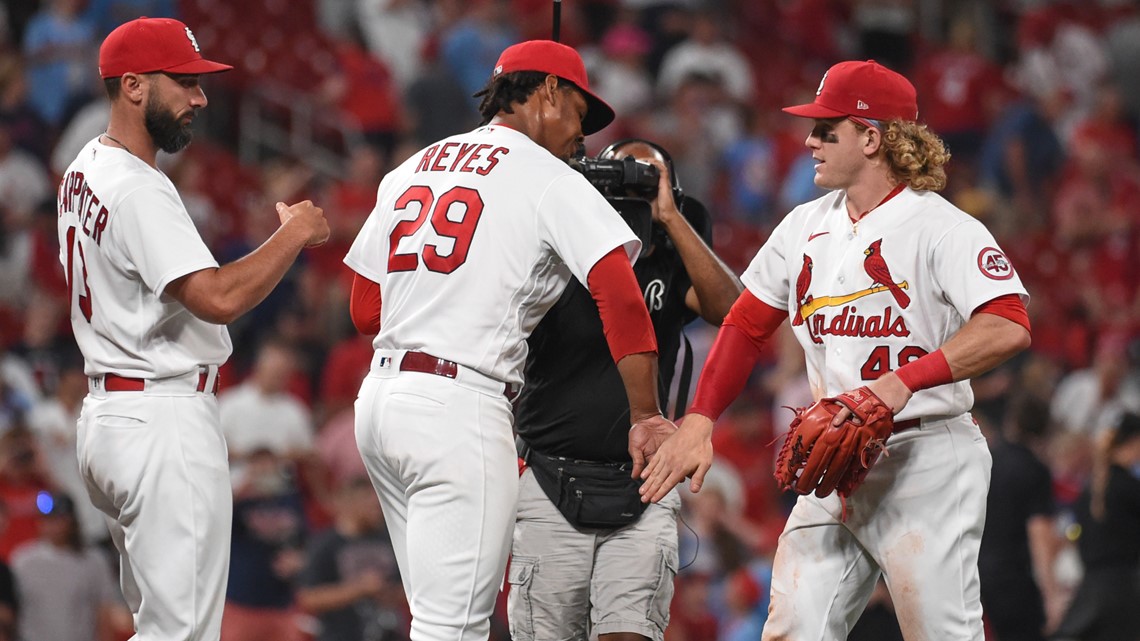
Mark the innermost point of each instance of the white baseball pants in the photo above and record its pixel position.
(441, 455)
(917, 520)
(155, 463)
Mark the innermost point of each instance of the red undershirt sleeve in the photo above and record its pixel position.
(364, 305)
(748, 325)
(1008, 307)
(625, 319)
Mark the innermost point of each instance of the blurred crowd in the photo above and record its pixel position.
(1038, 103)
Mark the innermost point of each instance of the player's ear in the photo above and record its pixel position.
(132, 87)
(550, 88)
(873, 140)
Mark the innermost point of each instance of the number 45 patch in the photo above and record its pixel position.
(994, 264)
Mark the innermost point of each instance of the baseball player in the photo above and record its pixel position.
(897, 290)
(148, 307)
(471, 241)
(612, 579)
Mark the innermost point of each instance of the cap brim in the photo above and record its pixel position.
(813, 110)
(598, 114)
(198, 67)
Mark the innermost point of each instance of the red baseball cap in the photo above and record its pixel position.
(548, 56)
(865, 90)
(146, 45)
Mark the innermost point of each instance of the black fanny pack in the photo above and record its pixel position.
(590, 495)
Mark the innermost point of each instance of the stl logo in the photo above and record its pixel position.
(498, 70)
(994, 264)
(821, 81)
(193, 40)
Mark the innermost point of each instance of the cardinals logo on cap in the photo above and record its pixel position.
(821, 81)
(865, 89)
(193, 40)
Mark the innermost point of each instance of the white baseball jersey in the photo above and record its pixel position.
(153, 461)
(509, 224)
(869, 297)
(866, 298)
(472, 240)
(124, 235)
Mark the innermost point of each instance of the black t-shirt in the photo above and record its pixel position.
(1020, 488)
(574, 403)
(262, 528)
(1115, 541)
(332, 559)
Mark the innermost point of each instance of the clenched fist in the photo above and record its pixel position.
(311, 217)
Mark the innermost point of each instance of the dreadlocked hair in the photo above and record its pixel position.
(914, 153)
(503, 91)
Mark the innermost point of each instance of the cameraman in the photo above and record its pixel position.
(588, 555)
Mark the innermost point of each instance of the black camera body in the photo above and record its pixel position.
(630, 185)
(619, 178)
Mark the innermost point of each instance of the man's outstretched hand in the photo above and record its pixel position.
(688, 452)
(645, 437)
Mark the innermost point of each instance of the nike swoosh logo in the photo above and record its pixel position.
(817, 235)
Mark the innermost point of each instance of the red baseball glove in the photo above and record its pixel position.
(817, 457)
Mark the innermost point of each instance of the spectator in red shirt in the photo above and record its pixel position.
(346, 365)
(1108, 123)
(744, 439)
(960, 90)
(1095, 218)
(690, 618)
(366, 91)
(349, 202)
(22, 478)
(1098, 197)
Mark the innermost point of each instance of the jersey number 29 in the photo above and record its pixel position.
(460, 231)
(85, 295)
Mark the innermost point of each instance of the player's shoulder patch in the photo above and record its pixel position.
(994, 264)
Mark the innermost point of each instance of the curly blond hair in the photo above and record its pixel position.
(915, 154)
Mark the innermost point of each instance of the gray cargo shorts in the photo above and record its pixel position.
(569, 584)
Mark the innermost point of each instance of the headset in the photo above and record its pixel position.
(674, 183)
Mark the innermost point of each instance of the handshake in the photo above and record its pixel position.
(664, 454)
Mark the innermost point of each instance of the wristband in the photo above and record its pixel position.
(928, 371)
